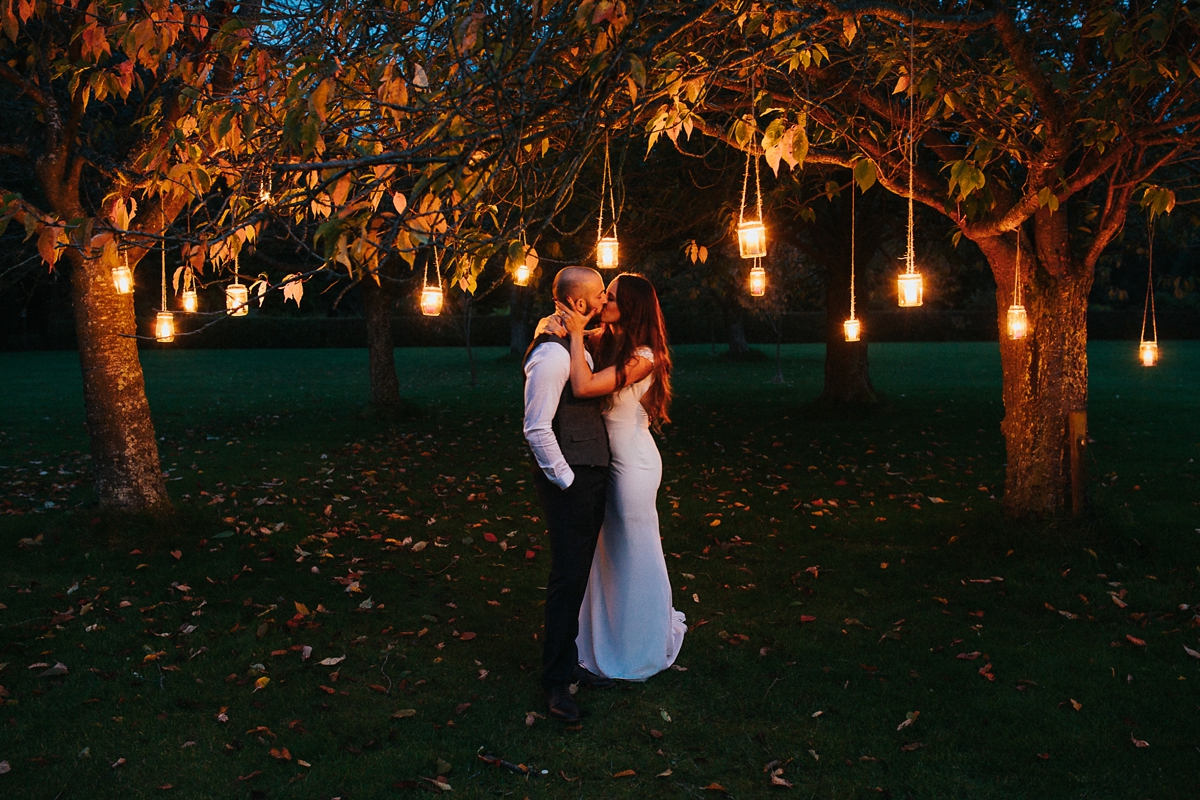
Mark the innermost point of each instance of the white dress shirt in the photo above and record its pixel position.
(547, 371)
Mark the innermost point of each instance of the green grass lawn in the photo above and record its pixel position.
(839, 574)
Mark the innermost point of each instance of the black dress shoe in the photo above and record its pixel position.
(590, 680)
(560, 705)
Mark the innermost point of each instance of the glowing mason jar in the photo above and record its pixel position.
(752, 239)
(910, 289)
(431, 301)
(164, 327)
(237, 300)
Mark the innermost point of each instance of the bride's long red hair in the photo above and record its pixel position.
(641, 325)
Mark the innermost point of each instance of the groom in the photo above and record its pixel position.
(570, 444)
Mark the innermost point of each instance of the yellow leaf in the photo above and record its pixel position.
(302, 609)
(261, 683)
(320, 98)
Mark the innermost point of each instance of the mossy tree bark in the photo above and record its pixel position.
(125, 462)
(1045, 375)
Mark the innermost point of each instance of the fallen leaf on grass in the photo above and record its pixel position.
(1135, 640)
(777, 780)
(1138, 742)
(1075, 704)
(331, 662)
(327, 689)
(252, 775)
(909, 719)
(281, 753)
(668, 772)
(625, 773)
(908, 748)
(404, 713)
(461, 708)
(807, 618)
(121, 761)
(177, 554)
(968, 656)
(261, 683)
(715, 787)
(375, 687)
(467, 636)
(4, 767)
(1191, 652)
(58, 669)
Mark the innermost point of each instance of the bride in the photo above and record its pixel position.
(628, 628)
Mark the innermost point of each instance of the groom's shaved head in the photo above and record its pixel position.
(576, 282)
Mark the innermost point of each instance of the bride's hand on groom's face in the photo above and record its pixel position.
(573, 319)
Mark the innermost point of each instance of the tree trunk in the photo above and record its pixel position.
(467, 336)
(518, 320)
(1045, 375)
(381, 349)
(738, 346)
(847, 374)
(124, 451)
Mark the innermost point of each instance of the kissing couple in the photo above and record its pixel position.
(591, 399)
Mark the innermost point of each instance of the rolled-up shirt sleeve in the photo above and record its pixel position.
(546, 374)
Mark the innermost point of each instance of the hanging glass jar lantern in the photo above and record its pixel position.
(911, 289)
(190, 300)
(521, 274)
(1018, 321)
(607, 248)
(164, 327)
(758, 280)
(122, 276)
(1148, 350)
(264, 188)
(752, 239)
(607, 256)
(237, 300)
(164, 322)
(237, 295)
(432, 299)
(1148, 353)
(525, 269)
(852, 327)
(432, 296)
(752, 234)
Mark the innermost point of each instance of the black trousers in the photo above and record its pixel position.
(573, 517)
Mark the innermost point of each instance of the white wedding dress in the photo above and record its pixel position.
(628, 629)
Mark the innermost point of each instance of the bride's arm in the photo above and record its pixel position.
(584, 382)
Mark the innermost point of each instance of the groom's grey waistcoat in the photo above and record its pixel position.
(578, 423)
